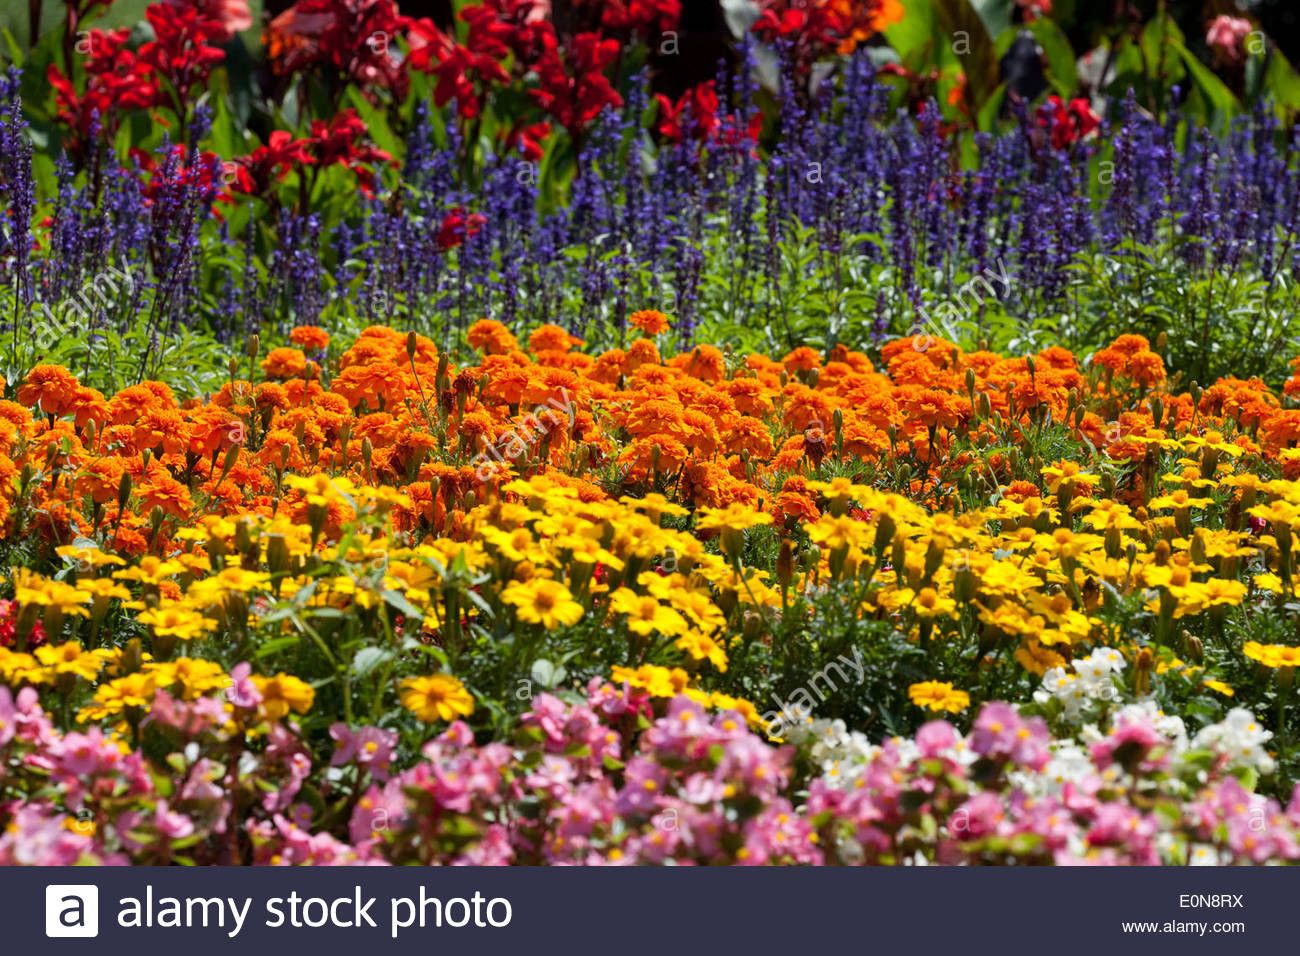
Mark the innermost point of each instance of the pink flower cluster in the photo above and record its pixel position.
(619, 778)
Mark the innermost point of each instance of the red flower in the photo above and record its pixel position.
(116, 80)
(575, 90)
(699, 108)
(521, 27)
(432, 51)
(528, 138)
(820, 27)
(645, 18)
(1067, 123)
(456, 226)
(354, 37)
(176, 176)
(254, 172)
(341, 141)
(180, 53)
(233, 16)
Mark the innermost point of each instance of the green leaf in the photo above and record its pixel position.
(368, 658)
(996, 14)
(398, 600)
(967, 38)
(1058, 53)
(914, 31)
(1220, 102)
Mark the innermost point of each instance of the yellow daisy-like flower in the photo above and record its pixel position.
(701, 647)
(645, 615)
(654, 680)
(939, 695)
(69, 658)
(283, 693)
(1272, 655)
(436, 697)
(177, 621)
(542, 601)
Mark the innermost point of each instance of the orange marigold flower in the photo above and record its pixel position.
(650, 321)
(802, 359)
(310, 337)
(1131, 344)
(1146, 368)
(284, 363)
(641, 352)
(52, 387)
(492, 338)
(552, 338)
(704, 362)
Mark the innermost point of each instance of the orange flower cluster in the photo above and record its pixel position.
(705, 427)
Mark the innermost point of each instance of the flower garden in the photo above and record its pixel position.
(471, 442)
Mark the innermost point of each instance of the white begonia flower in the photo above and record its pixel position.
(1241, 737)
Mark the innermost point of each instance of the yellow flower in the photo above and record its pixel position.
(731, 522)
(645, 615)
(929, 604)
(32, 588)
(151, 570)
(69, 658)
(654, 680)
(543, 601)
(177, 621)
(194, 675)
(87, 555)
(103, 589)
(938, 695)
(701, 647)
(17, 668)
(283, 693)
(133, 690)
(436, 697)
(739, 705)
(1221, 687)
(1272, 655)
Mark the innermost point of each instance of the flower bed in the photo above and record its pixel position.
(532, 606)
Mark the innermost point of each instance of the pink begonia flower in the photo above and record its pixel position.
(370, 747)
(172, 825)
(242, 692)
(8, 713)
(1227, 37)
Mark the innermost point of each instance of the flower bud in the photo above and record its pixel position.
(785, 565)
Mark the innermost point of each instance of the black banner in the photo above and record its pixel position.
(651, 911)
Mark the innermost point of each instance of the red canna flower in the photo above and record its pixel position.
(574, 89)
(354, 37)
(821, 27)
(698, 107)
(528, 138)
(342, 141)
(1067, 123)
(645, 18)
(457, 226)
(255, 172)
(456, 66)
(180, 54)
(232, 16)
(521, 27)
(116, 81)
(180, 172)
